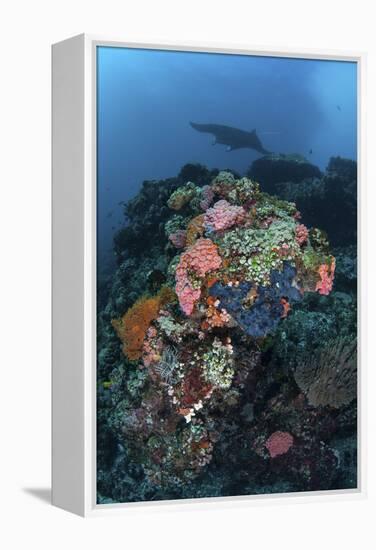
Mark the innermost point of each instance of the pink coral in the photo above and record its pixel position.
(152, 347)
(223, 215)
(301, 234)
(279, 443)
(207, 195)
(326, 272)
(188, 296)
(179, 238)
(198, 260)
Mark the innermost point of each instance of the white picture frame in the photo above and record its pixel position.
(74, 276)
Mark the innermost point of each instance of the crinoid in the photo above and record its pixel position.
(168, 365)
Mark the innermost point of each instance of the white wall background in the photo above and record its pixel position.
(27, 28)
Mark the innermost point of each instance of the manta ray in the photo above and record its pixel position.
(232, 137)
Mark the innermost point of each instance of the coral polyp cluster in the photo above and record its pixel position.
(223, 216)
(198, 260)
(326, 272)
(279, 443)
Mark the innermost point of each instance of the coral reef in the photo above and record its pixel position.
(328, 201)
(227, 339)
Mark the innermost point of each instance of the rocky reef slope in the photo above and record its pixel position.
(227, 336)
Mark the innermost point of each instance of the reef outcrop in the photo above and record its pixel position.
(217, 343)
(276, 168)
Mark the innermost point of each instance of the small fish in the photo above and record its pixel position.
(109, 215)
(310, 151)
(339, 108)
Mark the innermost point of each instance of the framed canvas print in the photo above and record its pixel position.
(206, 304)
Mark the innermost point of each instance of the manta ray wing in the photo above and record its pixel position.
(234, 138)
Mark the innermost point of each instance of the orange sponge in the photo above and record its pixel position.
(132, 327)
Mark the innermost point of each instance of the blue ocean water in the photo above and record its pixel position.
(146, 99)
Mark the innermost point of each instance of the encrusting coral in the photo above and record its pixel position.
(259, 309)
(198, 260)
(279, 443)
(182, 196)
(301, 233)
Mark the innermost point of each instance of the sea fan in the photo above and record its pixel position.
(329, 376)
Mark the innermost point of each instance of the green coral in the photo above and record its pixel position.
(218, 365)
(174, 224)
(269, 205)
(183, 455)
(224, 178)
(244, 190)
(255, 252)
(311, 259)
(171, 269)
(170, 326)
(182, 196)
(136, 382)
(319, 240)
